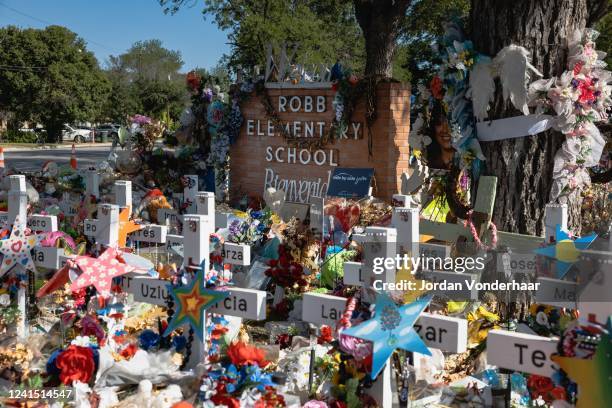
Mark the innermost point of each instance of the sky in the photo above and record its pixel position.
(110, 27)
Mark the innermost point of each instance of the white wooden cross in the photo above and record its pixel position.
(17, 209)
(200, 202)
(521, 352)
(241, 303)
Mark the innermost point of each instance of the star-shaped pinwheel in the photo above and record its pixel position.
(391, 328)
(192, 301)
(99, 271)
(126, 226)
(17, 249)
(565, 250)
(593, 376)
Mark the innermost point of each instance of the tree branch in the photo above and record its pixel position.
(597, 9)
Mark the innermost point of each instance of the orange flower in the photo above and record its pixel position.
(241, 353)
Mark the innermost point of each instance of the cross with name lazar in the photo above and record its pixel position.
(45, 257)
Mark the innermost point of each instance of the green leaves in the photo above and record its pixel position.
(48, 76)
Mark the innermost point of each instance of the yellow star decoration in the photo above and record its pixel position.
(126, 226)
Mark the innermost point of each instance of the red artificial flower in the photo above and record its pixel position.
(558, 393)
(282, 308)
(223, 398)
(436, 87)
(326, 335)
(539, 386)
(76, 363)
(337, 404)
(218, 331)
(578, 67)
(587, 93)
(335, 86)
(194, 80)
(241, 354)
(129, 351)
(284, 340)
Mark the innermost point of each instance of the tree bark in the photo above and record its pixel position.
(380, 21)
(524, 165)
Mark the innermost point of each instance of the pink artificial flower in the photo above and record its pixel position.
(314, 404)
(356, 347)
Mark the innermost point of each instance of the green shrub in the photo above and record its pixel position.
(16, 136)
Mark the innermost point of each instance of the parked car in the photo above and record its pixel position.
(108, 130)
(76, 134)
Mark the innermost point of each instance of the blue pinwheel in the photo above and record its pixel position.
(391, 328)
(565, 251)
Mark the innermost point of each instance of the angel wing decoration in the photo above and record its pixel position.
(482, 89)
(513, 66)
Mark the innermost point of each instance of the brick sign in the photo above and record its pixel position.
(261, 157)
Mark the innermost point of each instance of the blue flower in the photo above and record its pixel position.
(51, 368)
(148, 339)
(179, 342)
(256, 214)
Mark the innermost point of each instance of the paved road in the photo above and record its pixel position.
(33, 159)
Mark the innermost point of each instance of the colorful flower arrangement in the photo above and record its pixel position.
(240, 380)
(579, 98)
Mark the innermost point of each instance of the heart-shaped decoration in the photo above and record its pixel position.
(16, 246)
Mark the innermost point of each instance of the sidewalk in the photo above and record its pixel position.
(15, 147)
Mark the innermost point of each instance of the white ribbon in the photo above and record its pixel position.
(511, 128)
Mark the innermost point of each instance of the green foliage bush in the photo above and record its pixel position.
(16, 136)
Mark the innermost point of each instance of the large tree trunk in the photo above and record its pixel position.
(524, 166)
(380, 21)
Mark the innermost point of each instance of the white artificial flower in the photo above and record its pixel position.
(5, 299)
(542, 319)
(82, 341)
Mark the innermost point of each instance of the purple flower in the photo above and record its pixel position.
(207, 95)
(141, 120)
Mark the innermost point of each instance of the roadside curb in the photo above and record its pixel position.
(55, 147)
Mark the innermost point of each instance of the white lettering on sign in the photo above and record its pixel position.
(291, 155)
(302, 103)
(298, 191)
(521, 352)
(320, 309)
(150, 233)
(47, 257)
(516, 263)
(352, 273)
(44, 223)
(145, 289)
(245, 303)
(434, 251)
(443, 332)
(464, 293)
(236, 254)
(90, 227)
